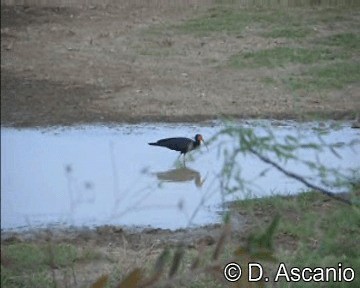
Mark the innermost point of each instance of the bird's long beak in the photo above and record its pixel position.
(205, 144)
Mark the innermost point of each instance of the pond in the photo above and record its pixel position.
(100, 175)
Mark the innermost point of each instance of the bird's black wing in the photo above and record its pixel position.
(178, 143)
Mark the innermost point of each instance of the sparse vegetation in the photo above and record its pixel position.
(289, 25)
(292, 32)
(331, 76)
(343, 40)
(313, 231)
(281, 56)
(223, 20)
(29, 265)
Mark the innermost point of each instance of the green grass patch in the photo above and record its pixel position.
(231, 21)
(30, 280)
(331, 76)
(331, 15)
(291, 32)
(314, 231)
(280, 56)
(36, 258)
(28, 265)
(343, 40)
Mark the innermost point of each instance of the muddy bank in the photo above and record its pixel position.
(116, 251)
(134, 238)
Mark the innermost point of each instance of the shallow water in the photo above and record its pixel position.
(95, 175)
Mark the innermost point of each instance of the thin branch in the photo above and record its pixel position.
(299, 178)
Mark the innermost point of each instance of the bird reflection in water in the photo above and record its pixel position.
(182, 174)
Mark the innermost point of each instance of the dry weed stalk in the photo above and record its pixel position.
(258, 247)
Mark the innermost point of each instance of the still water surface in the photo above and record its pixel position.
(96, 175)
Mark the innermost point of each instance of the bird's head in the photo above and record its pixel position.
(199, 138)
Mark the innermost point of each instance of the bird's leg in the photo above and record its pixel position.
(184, 160)
(180, 156)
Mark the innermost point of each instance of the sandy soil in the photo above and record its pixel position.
(61, 66)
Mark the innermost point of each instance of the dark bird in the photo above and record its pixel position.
(181, 144)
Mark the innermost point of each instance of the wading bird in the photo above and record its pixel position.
(181, 144)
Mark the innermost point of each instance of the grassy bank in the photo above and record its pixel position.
(313, 231)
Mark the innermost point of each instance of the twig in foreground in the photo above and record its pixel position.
(299, 178)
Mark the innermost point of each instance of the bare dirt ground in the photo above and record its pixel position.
(62, 66)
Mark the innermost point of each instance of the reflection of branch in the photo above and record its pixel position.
(203, 199)
(114, 170)
(299, 178)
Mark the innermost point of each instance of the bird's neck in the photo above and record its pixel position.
(196, 144)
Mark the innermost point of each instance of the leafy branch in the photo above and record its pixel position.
(281, 151)
(300, 178)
